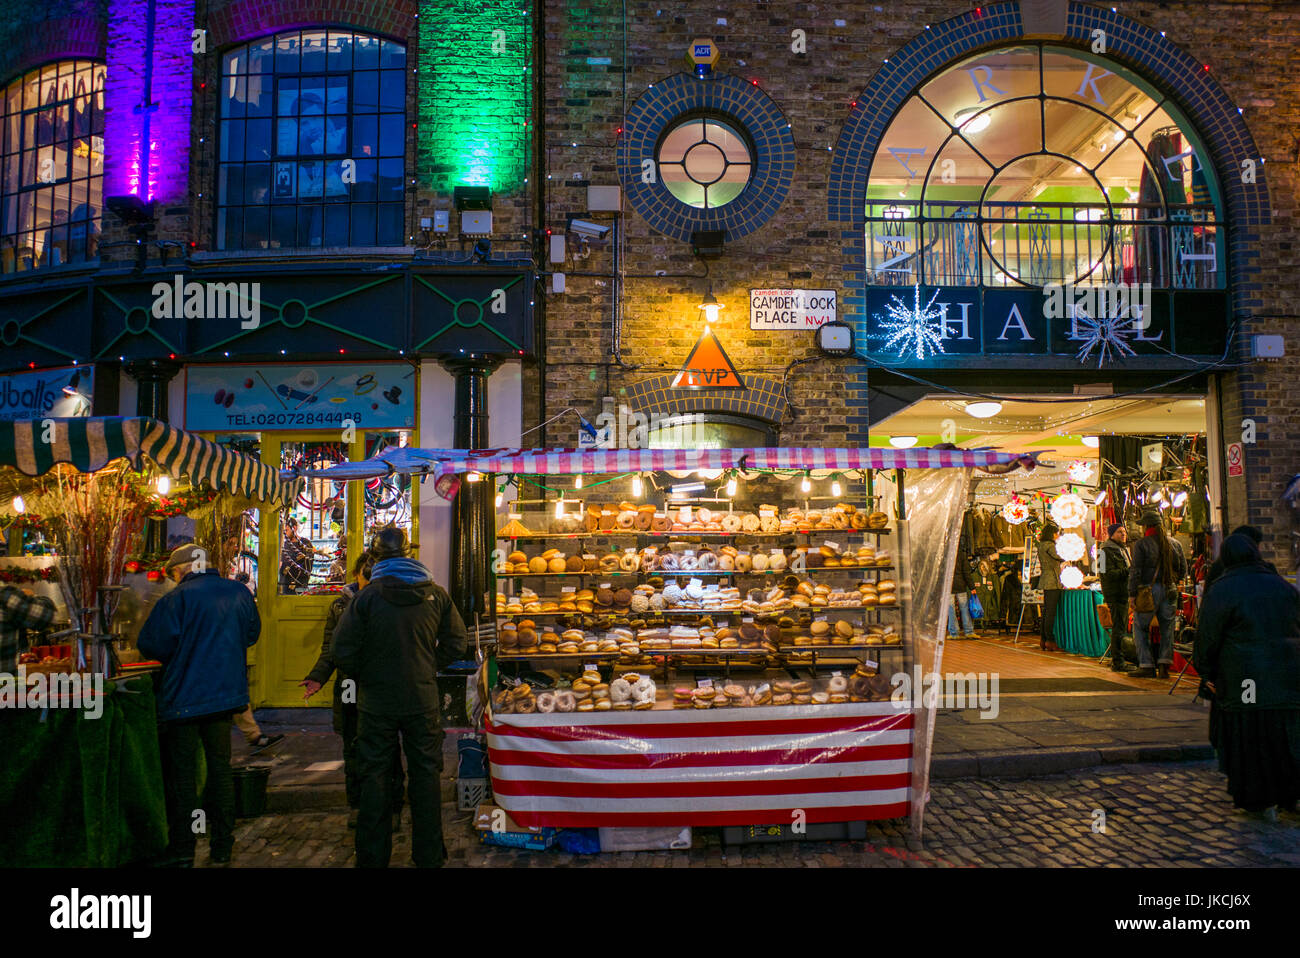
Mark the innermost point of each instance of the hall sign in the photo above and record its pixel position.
(790, 309)
(1012, 323)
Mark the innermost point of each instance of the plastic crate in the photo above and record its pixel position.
(471, 793)
(813, 832)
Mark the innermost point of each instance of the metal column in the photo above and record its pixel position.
(473, 526)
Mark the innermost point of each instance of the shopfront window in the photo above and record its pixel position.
(388, 500)
(313, 142)
(313, 531)
(709, 431)
(1036, 165)
(52, 166)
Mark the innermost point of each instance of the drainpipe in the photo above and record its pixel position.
(473, 525)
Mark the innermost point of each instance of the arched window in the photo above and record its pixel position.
(710, 431)
(1035, 165)
(312, 142)
(52, 166)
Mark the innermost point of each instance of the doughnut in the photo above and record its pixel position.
(537, 565)
(704, 514)
(759, 562)
(626, 506)
(620, 690)
(643, 521)
(629, 561)
(726, 563)
(640, 602)
(556, 565)
(689, 563)
(838, 685)
(623, 597)
(708, 562)
(525, 706)
(777, 562)
(609, 563)
(860, 686)
(661, 524)
(749, 522)
(573, 564)
(820, 698)
(744, 562)
(625, 520)
(770, 524)
(546, 702)
(644, 686)
(669, 562)
(586, 706)
(731, 522)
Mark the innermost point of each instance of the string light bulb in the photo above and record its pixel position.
(164, 485)
(731, 486)
(806, 485)
(1101, 498)
(636, 487)
(19, 505)
(559, 508)
(577, 481)
(473, 477)
(501, 497)
(835, 487)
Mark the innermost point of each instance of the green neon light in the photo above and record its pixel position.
(475, 84)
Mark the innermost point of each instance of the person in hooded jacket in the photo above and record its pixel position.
(345, 708)
(1248, 649)
(1114, 570)
(393, 638)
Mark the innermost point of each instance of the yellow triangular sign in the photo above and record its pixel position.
(707, 367)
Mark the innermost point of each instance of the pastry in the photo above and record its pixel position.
(661, 524)
(629, 561)
(565, 701)
(731, 523)
(558, 564)
(609, 563)
(546, 702)
(750, 522)
(625, 520)
(574, 564)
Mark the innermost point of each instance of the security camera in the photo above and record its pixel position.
(589, 229)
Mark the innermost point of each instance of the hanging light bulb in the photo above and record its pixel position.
(164, 484)
(636, 487)
(1101, 498)
(731, 486)
(473, 477)
(19, 506)
(577, 481)
(835, 487)
(559, 508)
(806, 485)
(710, 307)
(500, 498)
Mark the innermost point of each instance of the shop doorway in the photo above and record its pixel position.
(299, 559)
(1121, 457)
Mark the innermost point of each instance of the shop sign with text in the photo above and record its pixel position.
(790, 310)
(59, 393)
(296, 396)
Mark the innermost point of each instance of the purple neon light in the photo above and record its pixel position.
(160, 57)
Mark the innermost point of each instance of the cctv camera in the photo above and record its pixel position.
(589, 229)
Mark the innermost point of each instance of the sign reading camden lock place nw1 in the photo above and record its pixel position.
(1049, 323)
(791, 309)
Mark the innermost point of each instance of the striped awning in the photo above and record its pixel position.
(440, 462)
(34, 446)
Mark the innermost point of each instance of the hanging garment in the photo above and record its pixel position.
(1001, 531)
(982, 526)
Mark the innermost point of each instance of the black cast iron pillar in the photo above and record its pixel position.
(473, 527)
(151, 377)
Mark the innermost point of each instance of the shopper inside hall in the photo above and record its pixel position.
(345, 700)
(1158, 568)
(393, 637)
(1114, 564)
(1248, 650)
(1050, 584)
(963, 584)
(200, 631)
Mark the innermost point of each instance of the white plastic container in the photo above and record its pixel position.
(644, 839)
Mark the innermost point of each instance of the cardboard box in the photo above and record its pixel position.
(507, 832)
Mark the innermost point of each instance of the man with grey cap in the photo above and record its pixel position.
(200, 631)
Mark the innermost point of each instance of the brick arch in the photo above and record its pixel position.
(31, 45)
(1134, 45)
(240, 20)
(762, 398)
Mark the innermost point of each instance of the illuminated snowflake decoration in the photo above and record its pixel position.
(913, 328)
(1107, 335)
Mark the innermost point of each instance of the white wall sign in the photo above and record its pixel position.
(790, 309)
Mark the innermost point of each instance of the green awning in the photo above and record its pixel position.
(34, 446)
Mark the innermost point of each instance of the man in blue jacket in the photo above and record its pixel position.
(200, 632)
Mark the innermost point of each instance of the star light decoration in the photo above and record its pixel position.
(913, 327)
(1107, 335)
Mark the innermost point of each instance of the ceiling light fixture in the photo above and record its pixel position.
(983, 410)
(902, 442)
(1092, 442)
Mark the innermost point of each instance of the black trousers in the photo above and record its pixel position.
(352, 762)
(1118, 605)
(1050, 599)
(180, 743)
(378, 739)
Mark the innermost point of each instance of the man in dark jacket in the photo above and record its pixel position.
(1113, 564)
(200, 631)
(1158, 562)
(297, 555)
(963, 584)
(1248, 647)
(393, 638)
(1216, 567)
(345, 696)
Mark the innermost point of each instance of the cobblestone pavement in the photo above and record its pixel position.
(1154, 815)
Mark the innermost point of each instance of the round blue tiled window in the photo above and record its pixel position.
(716, 152)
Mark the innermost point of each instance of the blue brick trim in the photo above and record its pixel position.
(730, 97)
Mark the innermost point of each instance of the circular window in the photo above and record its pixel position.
(705, 162)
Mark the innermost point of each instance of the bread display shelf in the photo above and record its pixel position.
(699, 613)
(796, 649)
(635, 534)
(693, 573)
(651, 653)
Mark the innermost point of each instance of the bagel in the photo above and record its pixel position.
(610, 562)
(661, 524)
(629, 561)
(750, 522)
(643, 521)
(546, 702)
(731, 523)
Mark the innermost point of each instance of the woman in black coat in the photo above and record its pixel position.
(1248, 648)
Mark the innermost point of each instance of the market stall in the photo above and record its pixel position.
(82, 782)
(714, 636)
